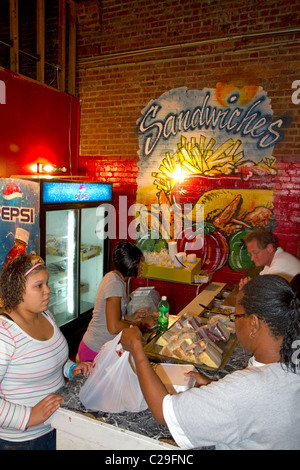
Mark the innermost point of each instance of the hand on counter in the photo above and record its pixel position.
(142, 319)
(83, 367)
(148, 322)
(145, 323)
(138, 315)
(44, 409)
(200, 378)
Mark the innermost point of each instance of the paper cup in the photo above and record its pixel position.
(178, 260)
(172, 249)
(191, 258)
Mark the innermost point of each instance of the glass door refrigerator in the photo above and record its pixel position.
(74, 246)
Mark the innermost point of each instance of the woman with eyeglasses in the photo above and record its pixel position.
(254, 408)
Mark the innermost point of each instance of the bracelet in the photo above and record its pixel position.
(70, 375)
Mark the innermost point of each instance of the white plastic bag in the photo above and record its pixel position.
(112, 385)
(143, 297)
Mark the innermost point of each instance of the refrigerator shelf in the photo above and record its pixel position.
(89, 251)
(58, 280)
(56, 258)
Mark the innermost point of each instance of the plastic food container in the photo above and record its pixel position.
(172, 376)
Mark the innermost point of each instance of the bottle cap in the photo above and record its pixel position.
(22, 235)
(164, 297)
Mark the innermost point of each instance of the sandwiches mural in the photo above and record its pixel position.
(206, 172)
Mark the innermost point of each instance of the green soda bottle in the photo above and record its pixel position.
(163, 317)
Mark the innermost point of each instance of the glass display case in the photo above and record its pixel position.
(64, 221)
(92, 258)
(76, 256)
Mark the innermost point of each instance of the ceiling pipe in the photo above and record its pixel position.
(121, 55)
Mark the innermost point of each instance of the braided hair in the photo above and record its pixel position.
(272, 299)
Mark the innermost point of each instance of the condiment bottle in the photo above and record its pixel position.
(21, 242)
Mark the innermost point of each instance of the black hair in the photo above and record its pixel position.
(126, 258)
(295, 283)
(272, 299)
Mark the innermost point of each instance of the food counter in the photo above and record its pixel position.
(201, 334)
(78, 428)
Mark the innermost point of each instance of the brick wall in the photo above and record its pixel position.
(130, 52)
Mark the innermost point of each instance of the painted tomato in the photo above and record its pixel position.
(211, 246)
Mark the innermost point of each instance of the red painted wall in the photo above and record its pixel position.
(286, 186)
(114, 85)
(36, 123)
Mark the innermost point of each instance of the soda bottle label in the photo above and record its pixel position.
(163, 314)
(16, 250)
(21, 242)
(163, 318)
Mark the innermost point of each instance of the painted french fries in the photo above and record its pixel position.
(203, 159)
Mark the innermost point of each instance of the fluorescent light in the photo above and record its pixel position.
(70, 260)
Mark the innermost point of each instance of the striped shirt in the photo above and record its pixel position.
(30, 370)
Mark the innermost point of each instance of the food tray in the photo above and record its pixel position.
(184, 275)
(152, 351)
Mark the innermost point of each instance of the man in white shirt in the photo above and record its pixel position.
(264, 251)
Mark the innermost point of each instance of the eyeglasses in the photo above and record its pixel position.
(254, 253)
(234, 316)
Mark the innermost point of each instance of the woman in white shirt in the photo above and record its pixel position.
(255, 408)
(109, 314)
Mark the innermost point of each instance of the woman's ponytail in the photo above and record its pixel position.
(291, 338)
(272, 299)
